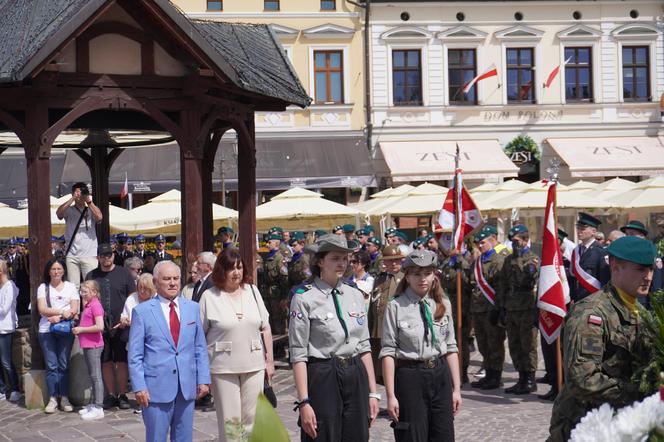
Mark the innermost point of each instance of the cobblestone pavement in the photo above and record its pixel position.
(485, 416)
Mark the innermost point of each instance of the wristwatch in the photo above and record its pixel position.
(376, 396)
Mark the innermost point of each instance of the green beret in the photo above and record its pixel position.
(225, 230)
(298, 235)
(515, 230)
(633, 249)
(375, 241)
(362, 232)
(320, 232)
(588, 220)
(483, 234)
(271, 236)
(369, 228)
(348, 228)
(635, 225)
(562, 235)
(391, 231)
(420, 241)
(337, 228)
(401, 235)
(275, 229)
(491, 230)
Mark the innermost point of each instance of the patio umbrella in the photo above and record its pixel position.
(608, 190)
(425, 199)
(13, 222)
(648, 193)
(534, 197)
(485, 200)
(302, 209)
(581, 185)
(383, 198)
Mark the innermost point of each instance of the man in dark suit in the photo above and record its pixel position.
(139, 243)
(205, 262)
(122, 251)
(589, 264)
(18, 271)
(160, 253)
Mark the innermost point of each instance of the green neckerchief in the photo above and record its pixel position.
(340, 315)
(428, 321)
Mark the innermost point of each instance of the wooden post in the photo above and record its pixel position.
(39, 216)
(211, 144)
(559, 366)
(247, 191)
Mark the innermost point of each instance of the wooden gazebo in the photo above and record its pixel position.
(104, 65)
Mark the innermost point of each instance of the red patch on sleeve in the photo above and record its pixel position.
(596, 320)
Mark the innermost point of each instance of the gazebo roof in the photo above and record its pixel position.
(248, 55)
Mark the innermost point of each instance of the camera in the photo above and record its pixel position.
(85, 191)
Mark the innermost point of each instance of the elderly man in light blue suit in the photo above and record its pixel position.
(168, 360)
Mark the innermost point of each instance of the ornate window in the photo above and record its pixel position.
(636, 73)
(407, 77)
(328, 77)
(578, 74)
(520, 75)
(462, 68)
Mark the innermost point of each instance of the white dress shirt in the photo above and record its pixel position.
(166, 308)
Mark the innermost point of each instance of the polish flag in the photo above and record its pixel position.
(469, 215)
(552, 288)
(125, 189)
(554, 73)
(490, 72)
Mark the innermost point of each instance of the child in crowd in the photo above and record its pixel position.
(89, 334)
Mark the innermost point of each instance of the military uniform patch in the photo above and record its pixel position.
(591, 345)
(595, 320)
(359, 317)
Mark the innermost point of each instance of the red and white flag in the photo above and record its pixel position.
(490, 72)
(554, 73)
(552, 289)
(469, 215)
(125, 189)
(588, 281)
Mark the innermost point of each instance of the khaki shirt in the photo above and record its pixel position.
(315, 331)
(404, 327)
(385, 286)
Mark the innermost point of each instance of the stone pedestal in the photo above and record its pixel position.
(80, 388)
(36, 393)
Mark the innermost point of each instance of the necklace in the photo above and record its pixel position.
(239, 315)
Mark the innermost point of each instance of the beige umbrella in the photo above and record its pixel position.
(382, 199)
(485, 200)
(13, 222)
(425, 199)
(581, 185)
(534, 197)
(162, 214)
(302, 209)
(609, 189)
(648, 193)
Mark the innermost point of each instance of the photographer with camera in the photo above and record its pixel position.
(81, 217)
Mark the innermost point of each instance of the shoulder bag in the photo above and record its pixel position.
(63, 327)
(268, 391)
(73, 235)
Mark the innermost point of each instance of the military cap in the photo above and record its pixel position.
(369, 228)
(420, 241)
(61, 239)
(298, 236)
(337, 228)
(104, 249)
(331, 243)
(129, 240)
(320, 232)
(11, 242)
(122, 238)
(362, 232)
(375, 241)
(491, 230)
(225, 230)
(392, 251)
(515, 230)
(391, 231)
(588, 220)
(483, 234)
(273, 236)
(54, 238)
(276, 229)
(635, 225)
(160, 238)
(293, 241)
(562, 234)
(139, 238)
(113, 240)
(633, 249)
(420, 258)
(22, 240)
(401, 235)
(348, 228)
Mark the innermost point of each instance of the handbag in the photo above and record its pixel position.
(268, 391)
(62, 328)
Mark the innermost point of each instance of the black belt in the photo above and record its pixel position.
(425, 364)
(340, 361)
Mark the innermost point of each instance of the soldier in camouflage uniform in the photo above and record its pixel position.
(518, 300)
(490, 336)
(605, 339)
(298, 266)
(274, 285)
(450, 263)
(373, 247)
(384, 288)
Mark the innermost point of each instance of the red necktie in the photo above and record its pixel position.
(175, 324)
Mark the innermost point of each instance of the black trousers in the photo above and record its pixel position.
(549, 355)
(425, 403)
(339, 395)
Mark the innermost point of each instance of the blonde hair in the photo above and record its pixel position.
(146, 280)
(3, 267)
(91, 285)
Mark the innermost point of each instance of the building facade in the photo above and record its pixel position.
(583, 79)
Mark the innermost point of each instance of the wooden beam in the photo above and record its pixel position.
(211, 145)
(247, 192)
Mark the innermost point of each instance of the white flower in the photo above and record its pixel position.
(633, 423)
(595, 426)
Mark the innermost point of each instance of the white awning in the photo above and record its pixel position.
(434, 160)
(618, 156)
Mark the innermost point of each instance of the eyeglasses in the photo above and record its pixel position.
(137, 270)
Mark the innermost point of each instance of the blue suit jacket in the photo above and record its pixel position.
(155, 364)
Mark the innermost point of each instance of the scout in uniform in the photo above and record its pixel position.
(330, 351)
(338, 230)
(319, 233)
(451, 263)
(635, 228)
(589, 268)
(274, 284)
(362, 237)
(385, 286)
(518, 300)
(419, 355)
(373, 247)
(490, 336)
(604, 339)
(349, 231)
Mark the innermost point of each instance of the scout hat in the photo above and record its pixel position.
(375, 241)
(420, 258)
(319, 233)
(562, 234)
(392, 252)
(635, 225)
(331, 243)
(633, 249)
(491, 230)
(515, 230)
(588, 220)
(348, 228)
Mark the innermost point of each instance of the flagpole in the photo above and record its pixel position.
(457, 220)
(559, 356)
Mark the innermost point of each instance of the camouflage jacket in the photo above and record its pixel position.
(492, 271)
(298, 269)
(274, 277)
(448, 268)
(519, 278)
(376, 266)
(385, 286)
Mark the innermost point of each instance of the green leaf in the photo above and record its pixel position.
(267, 425)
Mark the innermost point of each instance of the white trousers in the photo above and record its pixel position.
(78, 267)
(235, 397)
